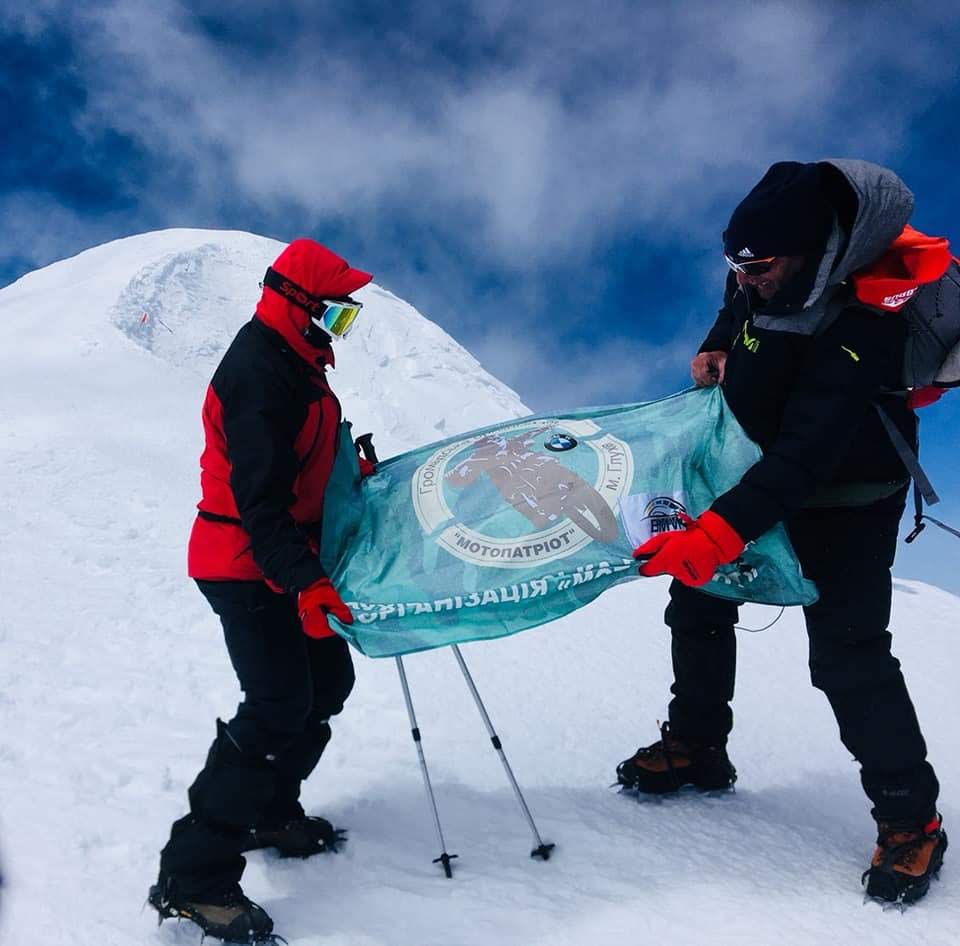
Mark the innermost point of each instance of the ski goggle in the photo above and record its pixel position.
(338, 316)
(754, 267)
(335, 316)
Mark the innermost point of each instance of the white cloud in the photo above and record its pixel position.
(600, 118)
(554, 373)
(37, 227)
(572, 124)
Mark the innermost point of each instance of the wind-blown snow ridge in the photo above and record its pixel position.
(114, 669)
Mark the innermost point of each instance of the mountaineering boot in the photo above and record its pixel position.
(669, 764)
(229, 916)
(908, 854)
(301, 836)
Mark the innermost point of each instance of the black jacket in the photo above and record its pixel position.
(809, 402)
(806, 372)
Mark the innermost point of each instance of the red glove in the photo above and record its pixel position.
(315, 603)
(691, 556)
(367, 468)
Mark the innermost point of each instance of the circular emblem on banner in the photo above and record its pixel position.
(497, 500)
(558, 443)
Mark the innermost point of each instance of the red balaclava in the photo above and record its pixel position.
(306, 265)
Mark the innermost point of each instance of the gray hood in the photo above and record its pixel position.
(883, 208)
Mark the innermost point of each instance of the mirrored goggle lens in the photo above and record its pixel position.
(339, 317)
(754, 267)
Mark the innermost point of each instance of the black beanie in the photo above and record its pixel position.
(786, 214)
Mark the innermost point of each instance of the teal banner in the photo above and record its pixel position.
(505, 528)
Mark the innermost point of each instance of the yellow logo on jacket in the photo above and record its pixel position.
(750, 342)
(851, 353)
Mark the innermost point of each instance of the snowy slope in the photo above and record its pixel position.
(113, 672)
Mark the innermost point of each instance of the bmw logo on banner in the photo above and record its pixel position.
(528, 493)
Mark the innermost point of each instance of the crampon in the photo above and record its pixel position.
(230, 917)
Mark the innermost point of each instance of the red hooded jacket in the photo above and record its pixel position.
(271, 426)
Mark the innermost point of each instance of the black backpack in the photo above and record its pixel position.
(931, 364)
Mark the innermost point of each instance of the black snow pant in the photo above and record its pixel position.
(848, 552)
(292, 685)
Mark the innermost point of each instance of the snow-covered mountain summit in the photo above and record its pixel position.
(113, 670)
(180, 295)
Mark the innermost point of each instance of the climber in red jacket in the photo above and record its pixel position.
(271, 425)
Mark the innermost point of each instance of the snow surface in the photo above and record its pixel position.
(114, 670)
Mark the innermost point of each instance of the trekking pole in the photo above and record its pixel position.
(541, 850)
(444, 857)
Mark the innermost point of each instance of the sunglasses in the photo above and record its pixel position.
(338, 316)
(754, 267)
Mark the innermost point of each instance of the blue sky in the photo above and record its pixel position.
(547, 181)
